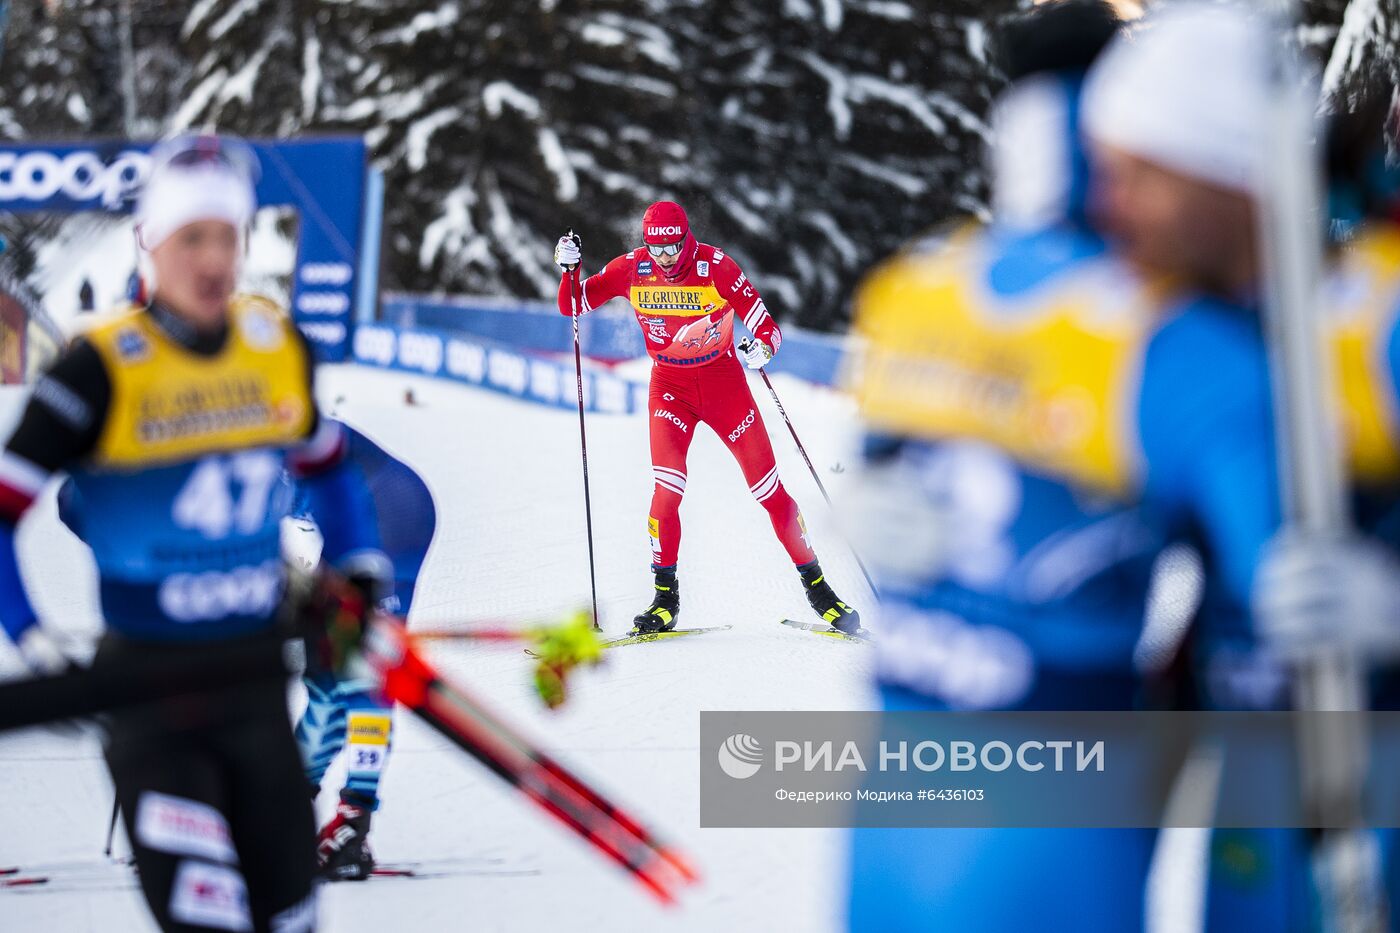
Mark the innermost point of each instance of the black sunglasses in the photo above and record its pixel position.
(214, 150)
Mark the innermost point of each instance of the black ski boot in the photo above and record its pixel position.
(342, 846)
(824, 602)
(665, 608)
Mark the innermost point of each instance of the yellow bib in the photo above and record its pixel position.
(1362, 301)
(1050, 378)
(170, 405)
(676, 300)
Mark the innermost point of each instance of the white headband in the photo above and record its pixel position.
(175, 196)
(1188, 91)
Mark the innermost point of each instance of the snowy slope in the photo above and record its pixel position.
(510, 546)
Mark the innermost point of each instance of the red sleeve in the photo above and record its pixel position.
(321, 452)
(597, 290)
(744, 298)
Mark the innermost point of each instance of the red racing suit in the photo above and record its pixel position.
(688, 323)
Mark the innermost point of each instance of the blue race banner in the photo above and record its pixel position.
(496, 367)
(609, 334)
(322, 179)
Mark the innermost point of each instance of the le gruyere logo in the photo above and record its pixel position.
(669, 299)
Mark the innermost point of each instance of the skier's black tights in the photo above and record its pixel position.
(214, 801)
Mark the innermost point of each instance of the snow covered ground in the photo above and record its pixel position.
(510, 545)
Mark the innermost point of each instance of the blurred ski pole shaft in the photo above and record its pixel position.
(1332, 754)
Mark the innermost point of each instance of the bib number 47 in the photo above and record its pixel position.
(227, 494)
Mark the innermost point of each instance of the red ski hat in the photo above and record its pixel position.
(665, 222)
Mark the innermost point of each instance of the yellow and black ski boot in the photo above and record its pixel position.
(824, 602)
(665, 608)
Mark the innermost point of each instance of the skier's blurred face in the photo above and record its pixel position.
(196, 270)
(1169, 224)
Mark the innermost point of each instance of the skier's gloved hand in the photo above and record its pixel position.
(568, 252)
(1313, 592)
(756, 353)
(372, 573)
(41, 654)
(336, 612)
(908, 535)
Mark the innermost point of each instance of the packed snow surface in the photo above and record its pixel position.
(510, 546)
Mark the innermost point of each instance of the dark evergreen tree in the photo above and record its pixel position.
(810, 138)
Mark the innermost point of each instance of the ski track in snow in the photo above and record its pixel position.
(510, 545)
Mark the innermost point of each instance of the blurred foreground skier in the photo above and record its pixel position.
(175, 421)
(1042, 425)
(340, 707)
(1314, 591)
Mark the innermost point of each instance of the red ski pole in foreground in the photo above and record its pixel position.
(408, 679)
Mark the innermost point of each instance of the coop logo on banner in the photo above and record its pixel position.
(422, 352)
(375, 345)
(80, 177)
(326, 273)
(466, 360)
(323, 302)
(326, 333)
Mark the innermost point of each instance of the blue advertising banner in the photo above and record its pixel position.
(609, 334)
(496, 367)
(323, 179)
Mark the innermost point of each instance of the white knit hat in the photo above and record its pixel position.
(192, 179)
(1189, 91)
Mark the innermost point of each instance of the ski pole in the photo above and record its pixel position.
(112, 827)
(575, 294)
(813, 470)
(1332, 755)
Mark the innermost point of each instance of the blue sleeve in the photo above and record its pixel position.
(340, 502)
(1206, 427)
(69, 511)
(16, 613)
(407, 517)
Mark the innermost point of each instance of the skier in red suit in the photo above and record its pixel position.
(685, 295)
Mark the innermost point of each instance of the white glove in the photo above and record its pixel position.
(756, 353)
(1312, 593)
(41, 653)
(567, 252)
